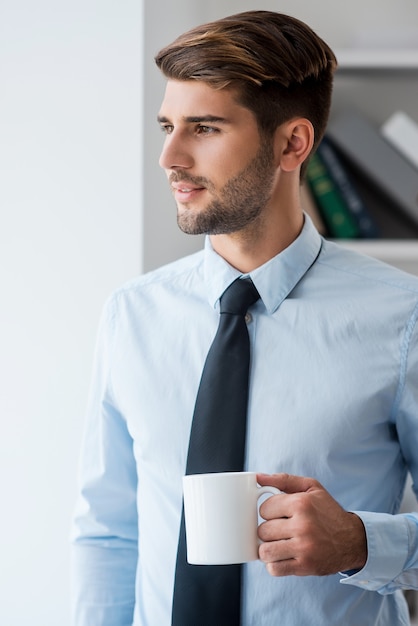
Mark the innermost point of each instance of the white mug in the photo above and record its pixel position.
(221, 516)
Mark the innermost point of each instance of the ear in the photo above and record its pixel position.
(294, 141)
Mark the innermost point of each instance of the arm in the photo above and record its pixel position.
(307, 533)
(105, 525)
(393, 539)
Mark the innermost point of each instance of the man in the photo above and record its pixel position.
(333, 389)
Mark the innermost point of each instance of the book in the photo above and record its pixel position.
(402, 132)
(346, 187)
(367, 149)
(338, 219)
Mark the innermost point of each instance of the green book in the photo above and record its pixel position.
(335, 213)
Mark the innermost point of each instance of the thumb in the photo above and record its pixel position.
(287, 482)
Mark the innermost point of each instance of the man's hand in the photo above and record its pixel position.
(306, 532)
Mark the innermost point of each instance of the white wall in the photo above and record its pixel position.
(70, 231)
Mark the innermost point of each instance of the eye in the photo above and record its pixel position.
(202, 129)
(167, 129)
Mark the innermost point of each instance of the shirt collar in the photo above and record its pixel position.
(275, 279)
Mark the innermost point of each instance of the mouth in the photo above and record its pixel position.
(185, 192)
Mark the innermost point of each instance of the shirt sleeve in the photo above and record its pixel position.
(392, 562)
(104, 534)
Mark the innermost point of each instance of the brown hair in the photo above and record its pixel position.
(279, 66)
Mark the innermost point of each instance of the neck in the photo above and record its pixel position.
(259, 242)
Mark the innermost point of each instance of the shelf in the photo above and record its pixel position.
(386, 249)
(353, 59)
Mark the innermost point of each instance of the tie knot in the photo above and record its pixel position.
(239, 296)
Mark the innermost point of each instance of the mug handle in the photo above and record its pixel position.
(267, 489)
(261, 491)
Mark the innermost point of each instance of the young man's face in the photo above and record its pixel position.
(220, 172)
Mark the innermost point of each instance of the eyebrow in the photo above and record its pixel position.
(196, 119)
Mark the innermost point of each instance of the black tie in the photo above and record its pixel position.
(210, 595)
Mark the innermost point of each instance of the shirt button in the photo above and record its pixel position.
(248, 318)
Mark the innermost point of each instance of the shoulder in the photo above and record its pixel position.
(180, 277)
(356, 268)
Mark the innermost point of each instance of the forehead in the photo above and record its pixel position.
(191, 98)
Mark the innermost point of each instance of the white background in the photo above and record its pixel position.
(70, 211)
(83, 207)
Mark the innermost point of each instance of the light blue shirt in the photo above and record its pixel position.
(333, 395)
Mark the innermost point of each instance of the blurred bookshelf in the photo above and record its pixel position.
(376, 83)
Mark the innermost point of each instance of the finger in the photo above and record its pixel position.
(276, 507)
(283, 568)
(274, 530)
(272, 551)
(288, 483)
(291, 567)
(280, 559)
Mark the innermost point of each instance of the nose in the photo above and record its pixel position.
(174, 154)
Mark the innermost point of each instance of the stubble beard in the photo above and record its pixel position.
(240, 202)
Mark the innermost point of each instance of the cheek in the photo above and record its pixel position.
(220, 166)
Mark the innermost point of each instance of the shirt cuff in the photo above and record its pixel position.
(387, 551)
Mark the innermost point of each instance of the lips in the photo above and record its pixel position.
(185, 192)
(185, 187)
